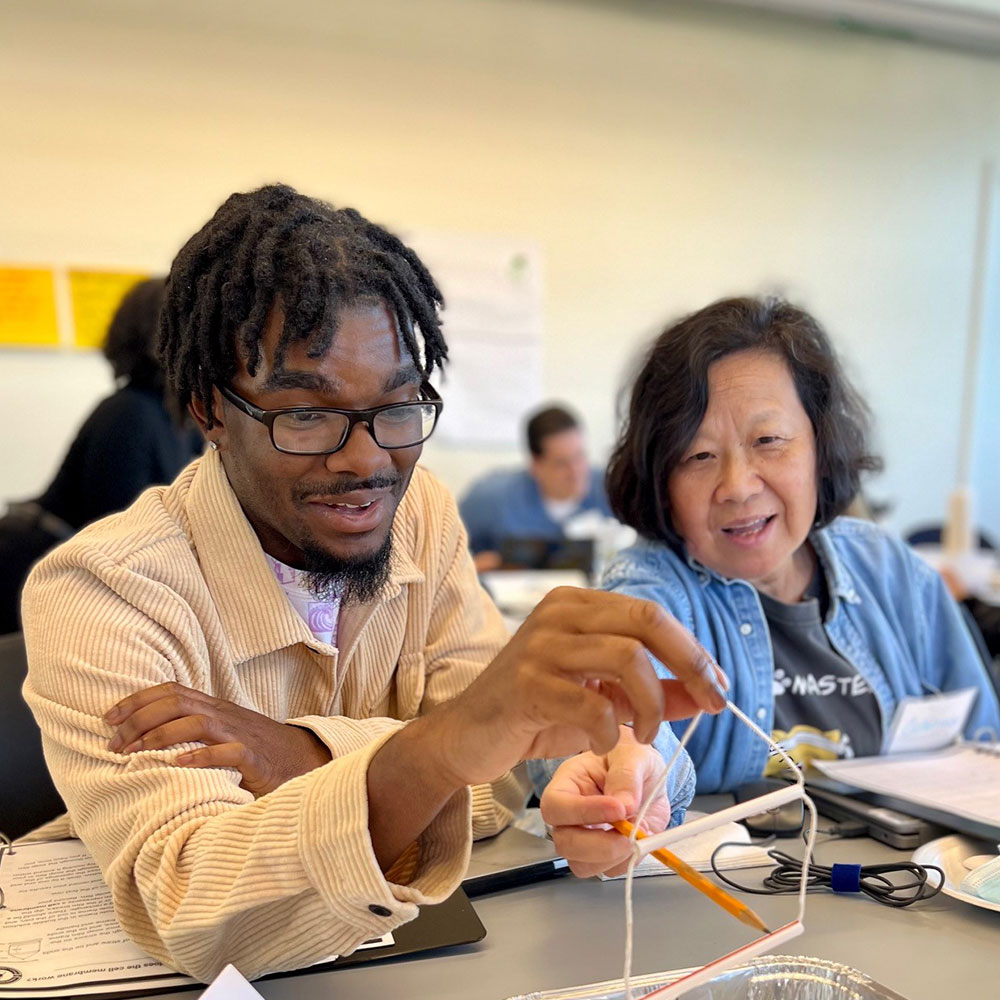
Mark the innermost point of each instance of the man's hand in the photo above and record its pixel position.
(265, 752)
(576, 668)
(588, 792)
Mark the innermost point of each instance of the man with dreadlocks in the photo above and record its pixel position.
(272, 694)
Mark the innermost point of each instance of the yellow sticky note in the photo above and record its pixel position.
(96, 295)
(28, 307)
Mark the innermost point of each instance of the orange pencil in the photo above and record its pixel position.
(741, 911)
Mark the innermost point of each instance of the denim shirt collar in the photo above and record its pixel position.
(838, 578)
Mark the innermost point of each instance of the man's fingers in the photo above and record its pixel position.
(561, 702)
(599, 612)
(672, 644)
(189, 729)
(235, 755)
(621, 662)
(149, 717)
(677, 701)
(628, 686)
(140, 699)
(220, 755)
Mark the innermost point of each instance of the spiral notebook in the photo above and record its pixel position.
(958, 787)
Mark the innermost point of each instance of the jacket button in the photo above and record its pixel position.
(762, 713)
(746, 628)
(380, 911)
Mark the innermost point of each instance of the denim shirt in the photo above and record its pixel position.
(890, 617)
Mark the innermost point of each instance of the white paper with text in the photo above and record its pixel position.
(58, 931)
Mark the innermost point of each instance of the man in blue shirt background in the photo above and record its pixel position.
(536, 502)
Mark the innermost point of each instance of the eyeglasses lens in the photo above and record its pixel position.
(315, 432)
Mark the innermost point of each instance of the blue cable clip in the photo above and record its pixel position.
(846, 878)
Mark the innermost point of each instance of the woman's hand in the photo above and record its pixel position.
(589, 791)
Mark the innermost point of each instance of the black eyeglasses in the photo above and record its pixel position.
(299, 430)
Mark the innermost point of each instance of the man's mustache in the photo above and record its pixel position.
(347, 484)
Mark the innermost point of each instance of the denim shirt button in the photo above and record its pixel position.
(762, 713)
(746, 628)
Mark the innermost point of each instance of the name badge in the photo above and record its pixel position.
(930, 723)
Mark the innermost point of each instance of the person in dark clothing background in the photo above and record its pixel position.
(132, 439)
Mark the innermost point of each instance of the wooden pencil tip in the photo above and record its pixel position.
(752, 920)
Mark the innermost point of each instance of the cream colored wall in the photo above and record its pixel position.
(661, 158)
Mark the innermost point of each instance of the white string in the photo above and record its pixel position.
(661, 783)
(657, 789)
(806, 801)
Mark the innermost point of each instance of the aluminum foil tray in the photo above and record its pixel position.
(772, 977)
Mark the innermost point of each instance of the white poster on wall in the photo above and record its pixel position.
(492, 287)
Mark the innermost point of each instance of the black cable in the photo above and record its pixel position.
(872, 880)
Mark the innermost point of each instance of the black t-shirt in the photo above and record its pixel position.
(823, 708)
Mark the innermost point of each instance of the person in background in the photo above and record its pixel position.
(130, 441)
(274, 696)
(535, 502)
(743, 445)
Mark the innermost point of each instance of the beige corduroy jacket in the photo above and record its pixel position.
(176, 588)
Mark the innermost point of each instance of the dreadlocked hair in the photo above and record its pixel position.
(274, 245)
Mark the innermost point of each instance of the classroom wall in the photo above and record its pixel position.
(661, 154)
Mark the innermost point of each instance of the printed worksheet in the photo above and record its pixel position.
(58, 932)
(58, 925)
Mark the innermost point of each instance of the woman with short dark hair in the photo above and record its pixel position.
(744, 444)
